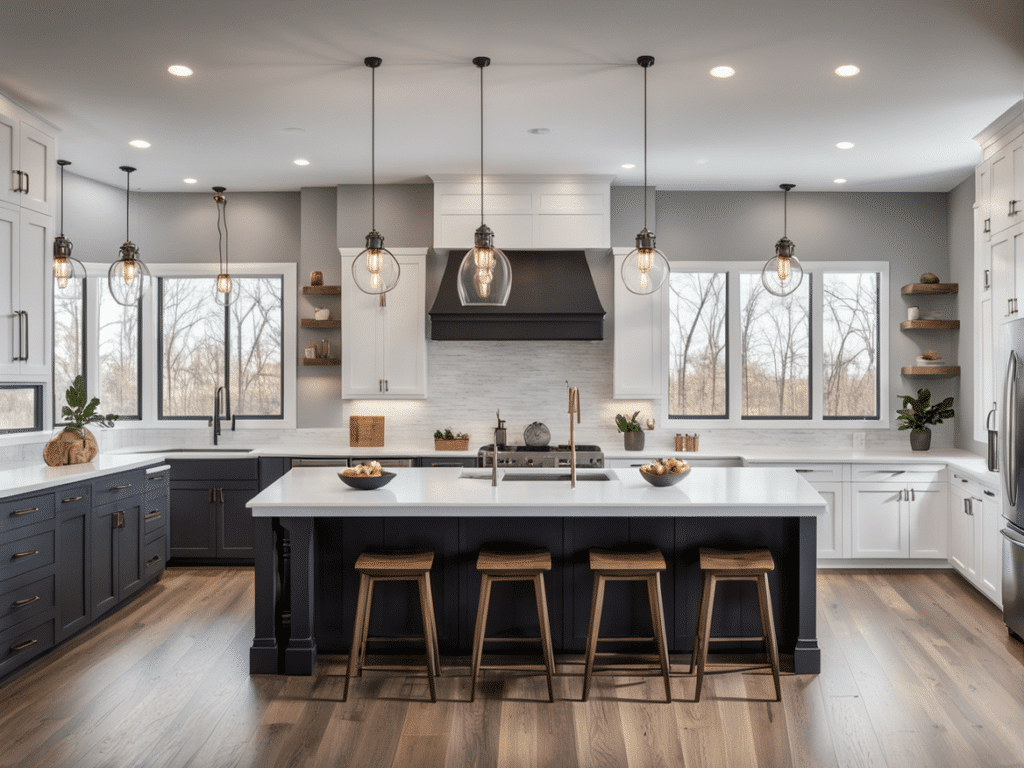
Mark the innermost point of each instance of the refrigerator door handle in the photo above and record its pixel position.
(1009, 465)
(1013, 537)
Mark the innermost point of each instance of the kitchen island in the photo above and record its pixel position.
(310, 527)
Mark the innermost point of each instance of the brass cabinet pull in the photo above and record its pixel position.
(118, 519)
(121, 487)
(210, 499)
(26, 601)
(220, 493)
(73, 498)
(19, 555)
(18, 512)
(155, 479)
(152, 515)
(385, 380)
(24, 645)
(153, 561)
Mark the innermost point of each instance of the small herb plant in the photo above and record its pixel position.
(449, 435)
(630, 425)
(80, 411)
(919, 413)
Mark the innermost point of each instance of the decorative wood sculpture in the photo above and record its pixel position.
(77, 447)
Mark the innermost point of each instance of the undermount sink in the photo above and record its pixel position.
(512, 477)
(207, 449)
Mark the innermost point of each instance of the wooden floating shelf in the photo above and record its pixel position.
(323, 361)
(307, 323)
(930, 288)
(930, 370)
(321, 290)
(924, 325)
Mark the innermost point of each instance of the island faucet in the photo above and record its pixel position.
(494, 461)
(216, 413)
(574, 410)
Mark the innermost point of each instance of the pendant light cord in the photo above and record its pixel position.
(785, 211)
(481, 146)
(222, 211)
(127, 204)
(62, 200)
(373, 148)
(645, 147)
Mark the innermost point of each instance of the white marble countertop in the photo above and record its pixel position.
(39, 477)
(451, 492)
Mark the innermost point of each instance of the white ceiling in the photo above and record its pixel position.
(279, 80)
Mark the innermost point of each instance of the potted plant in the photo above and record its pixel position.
(632, 433)
(917, 414)
(446, 440)
(75, 444)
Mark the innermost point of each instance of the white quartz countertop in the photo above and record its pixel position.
(14, 482)
(455, 492)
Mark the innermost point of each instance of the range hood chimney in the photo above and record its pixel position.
(553, 298)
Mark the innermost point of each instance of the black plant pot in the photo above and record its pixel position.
(633, 441)
(920, 439)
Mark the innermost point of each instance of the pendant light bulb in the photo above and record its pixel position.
(64, 269)
(645, 268)
(223, 289)
(485, 274)
(782, 274)
(375, 270)
(128, 278)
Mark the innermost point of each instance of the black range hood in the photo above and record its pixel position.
(553, 298)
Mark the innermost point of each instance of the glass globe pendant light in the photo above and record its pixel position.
(222, 289)
(375, 270)
(128, 277)
(782, 274)
(645, 267)
(64, 270)
(485, 275)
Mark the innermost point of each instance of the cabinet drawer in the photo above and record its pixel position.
(216, 469)
(898, 473)
(26, 554)
(71, 501)
(22, 603)
(155, 514)
(26, 511)
(23, 642)
(154, 558)
(158, 479)
(813, 473)
(116, 487)
(972, 486)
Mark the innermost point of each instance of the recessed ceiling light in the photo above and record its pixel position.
(847, 70)
(839, 181)
(189, 181)
(844, 145)
(628, 166)
(179, 70)
(723, 72)
(539, 131)
(140, 144)
(301, 161)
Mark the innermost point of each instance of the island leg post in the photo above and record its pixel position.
(300, 655)
(263, 655)
(807, 654)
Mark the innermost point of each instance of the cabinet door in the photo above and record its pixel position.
(11, 329)
(129, 551)
(983, 201)
(404, 349)
(10, 133)
(832, 524)
(1004, 277)
(928, 512)
(962, 523)
(35, 284)
(878, 520)
(362, 337)
(39, 165)
(73, 565)
(639, 367)
(1001, 188)
(193, 521)
(990, 561)
(103, 551)
(234, 522)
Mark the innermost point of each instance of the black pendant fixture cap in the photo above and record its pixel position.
(483, 237)
(373, 61)
(645, 61)
(127, 168)
(482, 61)
(374, 240)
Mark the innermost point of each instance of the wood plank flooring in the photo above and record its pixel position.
(918, 671)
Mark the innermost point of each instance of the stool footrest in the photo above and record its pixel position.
(512, 639)
(393, 667)
(625, 639)
(530, 667)
(394, 640)
(759, 639)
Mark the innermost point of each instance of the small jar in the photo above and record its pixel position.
(679, 443)
(913, 313)
(316, 278)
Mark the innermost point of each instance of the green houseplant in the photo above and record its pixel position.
(446, 440)
(632, 433)
(918, 414)
(75, 444)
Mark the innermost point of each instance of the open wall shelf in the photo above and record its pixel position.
(930, 370)
(321, 290)
(319, 361)
(930, 325)
(930, 288)
(307, 323)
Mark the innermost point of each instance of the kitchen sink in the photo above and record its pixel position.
(208, 449)
(512, 477)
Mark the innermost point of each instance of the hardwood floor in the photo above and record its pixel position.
(918, 671)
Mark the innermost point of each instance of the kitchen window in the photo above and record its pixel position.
(739, 354)
(21, 408)
(68, 340)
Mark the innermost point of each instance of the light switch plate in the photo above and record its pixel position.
(858, 441)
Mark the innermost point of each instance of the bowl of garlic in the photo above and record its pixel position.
(664, 472)
(366, 477)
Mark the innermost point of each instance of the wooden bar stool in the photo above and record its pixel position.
(374, 566)
(528, 565)
(613, 565)
(747, 565)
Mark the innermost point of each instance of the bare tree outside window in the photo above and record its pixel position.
(850, 344)
(119, 344)
(697, 347)
(256, 347)
(775, 342)
(68, 334)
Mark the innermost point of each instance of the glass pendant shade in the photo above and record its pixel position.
(222, 290)
(128, 278)
(485, 275)
(782, 274)
(375, 270)
(645, 268)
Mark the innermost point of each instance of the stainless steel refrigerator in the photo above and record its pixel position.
(1011, 470)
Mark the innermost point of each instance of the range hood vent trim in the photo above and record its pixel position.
(553, 298)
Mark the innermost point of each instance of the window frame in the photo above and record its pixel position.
(38, 411)
(817, 420)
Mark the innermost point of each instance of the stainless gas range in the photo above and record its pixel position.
(546, 456)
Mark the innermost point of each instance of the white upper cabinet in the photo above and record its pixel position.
(27, 161)
(525, 212)
(640, 367)
(25, 293)
(999, 179)
(384, 349)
